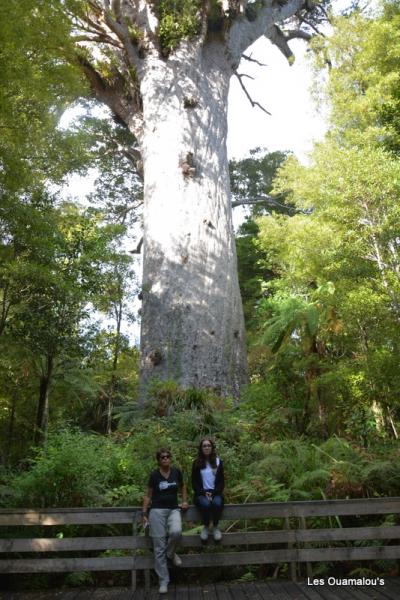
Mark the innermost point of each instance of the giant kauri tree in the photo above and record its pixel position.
(163, 68)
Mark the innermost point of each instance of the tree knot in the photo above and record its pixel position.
(187, 165)
(208, 223)
(156, 357)
(190, 102)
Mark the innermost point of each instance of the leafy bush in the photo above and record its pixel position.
(179, 19)
(73, 469)
(81, 469)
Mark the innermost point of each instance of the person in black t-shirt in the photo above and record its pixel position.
(162, 511)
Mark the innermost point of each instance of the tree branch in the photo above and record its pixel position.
(138, 248)
(135, 158)
(245, 32)
(141, 14)
(204, 20)
(281, 38)
(270, 202)
(288, 9)
(122, 32)
(101, 38)
(277, 37)
(293, 34)
(252, 102)
(304, 20)
(251, 59)
(113, 95)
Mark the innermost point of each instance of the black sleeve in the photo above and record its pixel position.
(179, 477)
(197, 484)
(219, 479)
(151, 483)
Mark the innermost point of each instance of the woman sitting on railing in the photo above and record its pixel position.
(208, 486)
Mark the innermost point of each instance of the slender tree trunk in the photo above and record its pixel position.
(113, 382)
(42, 417)
(377, 411)
(315, 394)
(11, 424)
(382, 267)
(110, 404)
(5, 307)
(394, 258)
(192, 327)
(393, 426)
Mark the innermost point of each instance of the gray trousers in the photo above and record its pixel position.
(166, 532)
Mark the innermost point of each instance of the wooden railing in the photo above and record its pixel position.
(294, 538)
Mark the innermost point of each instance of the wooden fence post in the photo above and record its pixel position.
(303, 524)
(147, 571)
(134, 552)
(290, 546)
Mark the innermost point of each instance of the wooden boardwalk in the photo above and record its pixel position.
(271, 590)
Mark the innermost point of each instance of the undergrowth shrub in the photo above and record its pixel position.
(73, 469)
(85, 469)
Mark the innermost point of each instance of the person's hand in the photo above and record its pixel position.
(209, 495)
(184, 506)
(145, 521)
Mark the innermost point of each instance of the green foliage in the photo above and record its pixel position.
(110, 148)
(383, 474)
(79, 579)
(252, 179)
(320, 281)
(167, 397)
(299, 470)
(36, 82)
(55, 261)
(253, 268)
(72, 470)
(178, 20)
(104, 378)
(330, 309)
(363, 85)
(290, 316)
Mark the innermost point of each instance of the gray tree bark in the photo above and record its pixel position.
(192, 327)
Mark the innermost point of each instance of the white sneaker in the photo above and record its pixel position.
(217, 535)
(176, 560)
(163, 589)
(204, 534)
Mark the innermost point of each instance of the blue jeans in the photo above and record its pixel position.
(209, 509)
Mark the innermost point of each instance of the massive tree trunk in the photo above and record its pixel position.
(172, 94)
(192, 323)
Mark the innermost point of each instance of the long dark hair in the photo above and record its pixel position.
(200, 460)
